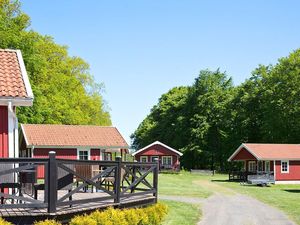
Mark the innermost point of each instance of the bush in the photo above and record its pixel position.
(3, 222)
(152, 215)
(83, 220)
(47, 222)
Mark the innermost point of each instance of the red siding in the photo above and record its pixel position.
(294, 171)
(3, 132)
(60, 153)
(95, 154)
(159, 150)
(243, 154)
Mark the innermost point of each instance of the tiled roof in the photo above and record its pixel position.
(11, 79)
(271, 151)
(72, 135)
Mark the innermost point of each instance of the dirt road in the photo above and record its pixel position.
(237, 209)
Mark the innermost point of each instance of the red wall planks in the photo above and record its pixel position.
(3, 131)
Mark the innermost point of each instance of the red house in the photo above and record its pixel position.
(281, 160)
(15, 90)
(84, 142)
(168, 157)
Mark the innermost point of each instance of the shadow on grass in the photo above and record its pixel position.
(225, 181)
(292, 190)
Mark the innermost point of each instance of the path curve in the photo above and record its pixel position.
(237, 209)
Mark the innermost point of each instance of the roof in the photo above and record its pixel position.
(158, 143)
(46, 135)
(14, 82)
(270, 151)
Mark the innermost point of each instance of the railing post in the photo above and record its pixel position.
(133, 177)
(155, 179)
(52, 182)
(117, 183)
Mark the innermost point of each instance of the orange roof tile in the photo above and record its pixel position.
(11, 79)
(271, 151)
(72, 135)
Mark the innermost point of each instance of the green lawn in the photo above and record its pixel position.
(181, 185)
(284, 197)
(181, 213)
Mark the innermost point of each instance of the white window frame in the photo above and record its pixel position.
(143, 157)
(83, 149)
(154, 156)
(249, 167)
(166, 157)
(287, 166)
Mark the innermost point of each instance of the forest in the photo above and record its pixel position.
(65, 92)
(209, 119)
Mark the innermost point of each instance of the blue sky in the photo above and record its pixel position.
(141, 49)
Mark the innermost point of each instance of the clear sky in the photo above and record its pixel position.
(141, 49)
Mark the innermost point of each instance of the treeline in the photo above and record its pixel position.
(65, 92)
(208, 120)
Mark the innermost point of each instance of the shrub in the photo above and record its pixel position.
(3, 222)
(83, 220)
(47, 222)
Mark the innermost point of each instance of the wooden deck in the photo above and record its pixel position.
(65, 191)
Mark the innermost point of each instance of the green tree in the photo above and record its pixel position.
(65, 92)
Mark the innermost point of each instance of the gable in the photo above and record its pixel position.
(156, 150)
(243, 154)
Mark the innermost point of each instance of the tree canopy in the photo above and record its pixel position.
(65, 91)
(208, 120)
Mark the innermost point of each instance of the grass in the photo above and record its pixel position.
(181, 213)
(181, 185)
(283, 197)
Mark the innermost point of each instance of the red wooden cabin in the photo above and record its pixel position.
(282, 160)
(15, 90)
(83, 142)
(168, 157)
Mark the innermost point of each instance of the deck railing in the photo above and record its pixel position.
(67, 183)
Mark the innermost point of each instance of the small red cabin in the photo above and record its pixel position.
(168, 157)
(84, 142)
(282, 160)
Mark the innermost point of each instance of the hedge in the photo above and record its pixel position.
(152, 215)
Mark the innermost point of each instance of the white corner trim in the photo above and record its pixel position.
(287, 181)
(24, 135)
(157, 143)
(237, 151)
(24, 74)
(11, 128)
(274, 169)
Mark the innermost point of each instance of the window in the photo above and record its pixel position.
(83, 155)
(153, 158)
(284, 166)
(267, 166)
(252, 166)
(167, 160)
(144, 158)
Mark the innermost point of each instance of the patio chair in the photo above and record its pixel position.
(64, 182)
(111, 179)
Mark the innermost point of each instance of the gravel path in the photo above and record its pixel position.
(220, 209)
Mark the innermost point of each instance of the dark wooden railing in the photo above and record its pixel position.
(72, 182)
